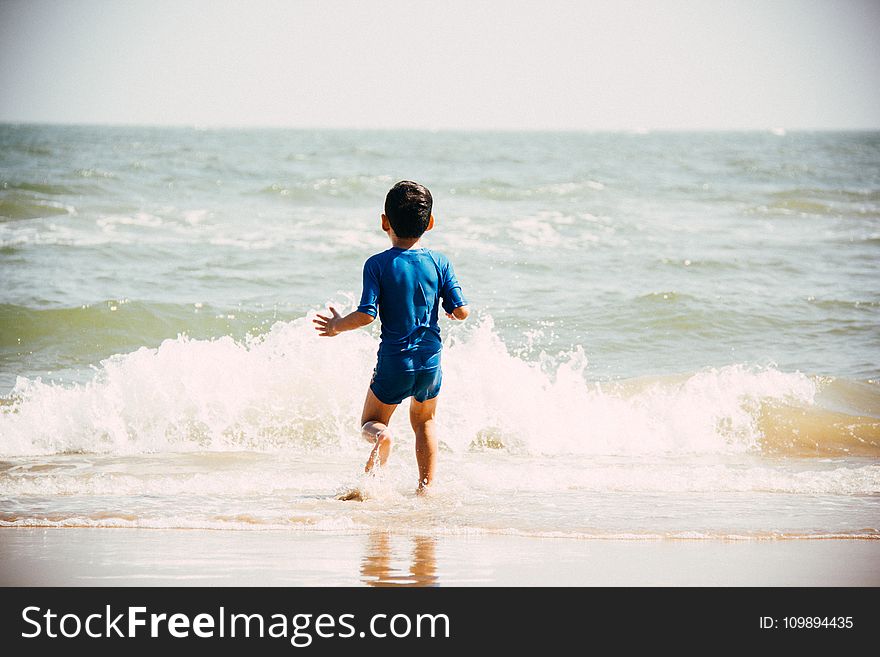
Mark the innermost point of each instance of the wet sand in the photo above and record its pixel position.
(151, 557)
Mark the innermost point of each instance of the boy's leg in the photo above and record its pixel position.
(421, 416)
(374, 428)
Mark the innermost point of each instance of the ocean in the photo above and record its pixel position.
(673, 335)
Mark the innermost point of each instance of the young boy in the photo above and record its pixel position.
(404, 285)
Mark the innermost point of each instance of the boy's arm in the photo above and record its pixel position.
(327, 327)
(454, 303)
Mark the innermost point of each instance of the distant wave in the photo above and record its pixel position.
(22, 206)
(130, 320)
(822, 202)
(327, 188)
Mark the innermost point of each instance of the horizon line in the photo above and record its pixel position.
(627, 130)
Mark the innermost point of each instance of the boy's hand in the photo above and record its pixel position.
(459, 314)
(326, 326)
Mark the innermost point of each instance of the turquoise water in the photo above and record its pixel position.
(689, 319)
(658, 253)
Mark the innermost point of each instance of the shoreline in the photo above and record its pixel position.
(198, 557)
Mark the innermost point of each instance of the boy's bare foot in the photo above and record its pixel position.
(353, 495)
(381, 449)
(423, 487)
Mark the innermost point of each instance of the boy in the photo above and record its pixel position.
(403, 285)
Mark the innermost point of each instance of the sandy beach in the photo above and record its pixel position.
(141, 557)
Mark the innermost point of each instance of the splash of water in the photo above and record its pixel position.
(289, 389)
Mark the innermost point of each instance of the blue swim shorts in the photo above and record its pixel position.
(397, 377)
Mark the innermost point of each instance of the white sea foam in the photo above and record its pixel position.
(337, 525)
(464, 477)
(292, 389)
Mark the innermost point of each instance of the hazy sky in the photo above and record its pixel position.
(542, 64)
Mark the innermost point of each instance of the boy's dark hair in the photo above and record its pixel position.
(408, 208)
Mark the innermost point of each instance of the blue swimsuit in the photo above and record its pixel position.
(404, 287)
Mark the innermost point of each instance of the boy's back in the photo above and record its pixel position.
(404, 287)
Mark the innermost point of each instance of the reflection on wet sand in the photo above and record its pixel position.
(377, 568)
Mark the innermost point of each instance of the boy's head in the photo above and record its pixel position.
(408, 208)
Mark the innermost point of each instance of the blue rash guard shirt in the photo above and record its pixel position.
(403, 287)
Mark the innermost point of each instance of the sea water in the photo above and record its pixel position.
(673, 334)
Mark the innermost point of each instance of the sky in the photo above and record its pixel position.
(548, 65)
